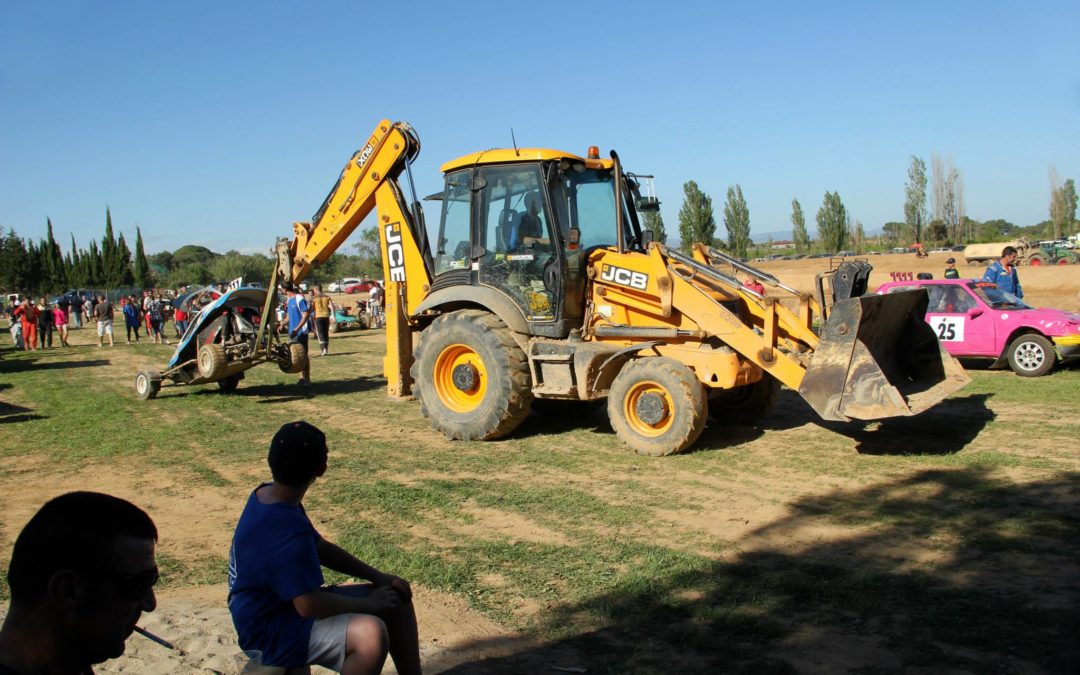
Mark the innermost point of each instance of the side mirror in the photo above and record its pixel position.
(646, 238)
(573, 237)
(974, 312)
(648, 204)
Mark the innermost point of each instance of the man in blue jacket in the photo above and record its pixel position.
(1003, 273)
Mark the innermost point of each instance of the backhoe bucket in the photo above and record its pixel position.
(878, 358)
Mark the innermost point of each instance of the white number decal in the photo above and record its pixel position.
(948, 328)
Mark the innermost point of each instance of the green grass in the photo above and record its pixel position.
(949, 540)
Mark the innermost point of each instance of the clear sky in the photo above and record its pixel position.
(220, 123)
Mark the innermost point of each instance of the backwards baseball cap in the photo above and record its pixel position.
(297, 453)
(951, 260)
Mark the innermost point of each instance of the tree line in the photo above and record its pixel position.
(934, 212)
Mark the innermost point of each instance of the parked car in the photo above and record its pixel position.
(339, 285)
(360, 286)
(976, 319)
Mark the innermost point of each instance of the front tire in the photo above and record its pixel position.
(147, 385)
(471, 377)
(228, 384)
(657, 406)
(1031, 355)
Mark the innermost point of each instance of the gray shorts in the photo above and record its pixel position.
(326, 646)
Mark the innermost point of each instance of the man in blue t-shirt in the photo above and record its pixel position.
(276, 594)
(1003, 273)
(299, 313)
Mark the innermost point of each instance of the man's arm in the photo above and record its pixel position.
(338, 559)
(322, 604)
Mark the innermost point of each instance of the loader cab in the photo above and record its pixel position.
(524, 223)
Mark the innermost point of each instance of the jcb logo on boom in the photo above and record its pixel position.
(624, 277)
(395, 254)
(364, 155)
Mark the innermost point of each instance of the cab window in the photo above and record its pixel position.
(453, 246)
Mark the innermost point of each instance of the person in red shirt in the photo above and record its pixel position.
(754, 285)
(28, 314)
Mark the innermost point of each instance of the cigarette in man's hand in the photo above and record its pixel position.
(150, 636)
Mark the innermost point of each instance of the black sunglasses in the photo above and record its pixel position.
(131, 586)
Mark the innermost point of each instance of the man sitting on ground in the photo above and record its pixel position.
(82, 573)
(276, 594)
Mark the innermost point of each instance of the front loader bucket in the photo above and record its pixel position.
(878, 358)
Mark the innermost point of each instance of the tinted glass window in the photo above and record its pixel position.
(453, 246)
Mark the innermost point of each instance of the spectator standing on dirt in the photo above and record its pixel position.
(376, 298)
(103, 316)
(180, 319)
(277, 597)
(324, 310)
(299, 324)
(155, 313)
(45, 321)
(82, 572)
(88, 308)
(130, 310)
(15, 326)
(63, 304)
(60, 318)
(950, 269)
(27, 313)
(1003, 273)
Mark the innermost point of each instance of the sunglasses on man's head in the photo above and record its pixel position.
(131, 586)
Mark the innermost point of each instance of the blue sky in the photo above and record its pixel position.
(220, 123)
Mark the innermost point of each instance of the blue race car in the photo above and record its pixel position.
(222, 341)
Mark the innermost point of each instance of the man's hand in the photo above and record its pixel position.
(396, 583)
(383, 599)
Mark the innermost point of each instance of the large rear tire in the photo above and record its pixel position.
(147, 385)
(471, 377)
(746, 405)
(1031, 355)
(211, 361)
(657, 406)
(228, 384)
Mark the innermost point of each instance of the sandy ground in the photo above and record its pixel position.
(196, 621)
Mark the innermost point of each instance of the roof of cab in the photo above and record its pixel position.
(507, 155)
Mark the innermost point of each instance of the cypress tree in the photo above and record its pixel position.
(108, 267)
(123, 275)
(142, 266)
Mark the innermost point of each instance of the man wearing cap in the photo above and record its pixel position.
(277, 597)
(950, 269)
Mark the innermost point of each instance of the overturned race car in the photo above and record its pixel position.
(225, 338)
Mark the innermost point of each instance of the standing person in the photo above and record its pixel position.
(950, 269)
(103, 315)
(45, 321)
(277, 597)
(87, 309)
(299, 321)
(180, 320)
(376, 297)
(753, 284)
(15, 325)
(82, 573)
(27, 313)
(130, 309)
(1003, 273)
(63, 304)
(155, 314)
(324, 309)
(144, 306)
(60, 318)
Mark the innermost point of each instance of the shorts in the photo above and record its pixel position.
(104, 328)
(300, 339)
(326, 646)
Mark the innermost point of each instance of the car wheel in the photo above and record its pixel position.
(147, 385)
(211, 361)
(229, 383)
(1031, 355)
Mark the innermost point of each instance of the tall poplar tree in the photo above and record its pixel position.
(915, 214)
(696, 221)
(832, 223)
(142, 266)
(108, 251)
(737, 221)
(798, 228)
(122, 265)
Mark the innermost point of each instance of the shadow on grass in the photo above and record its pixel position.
(283, 393)
(11, 413)
(32, 363)
(956, 571)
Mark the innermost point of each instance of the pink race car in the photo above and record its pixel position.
(976, 319)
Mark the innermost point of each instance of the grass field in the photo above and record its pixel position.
(943, 543)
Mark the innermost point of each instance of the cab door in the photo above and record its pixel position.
(520, 249)
(960, 321)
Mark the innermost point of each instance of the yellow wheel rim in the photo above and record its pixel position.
(460, 378)
(648, 408)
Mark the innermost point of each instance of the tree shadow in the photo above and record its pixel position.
(11, 413)
(32, 363)
(943, 570)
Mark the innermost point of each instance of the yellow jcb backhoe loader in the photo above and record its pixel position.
(542, 283)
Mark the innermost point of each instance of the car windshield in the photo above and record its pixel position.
(995, 297)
